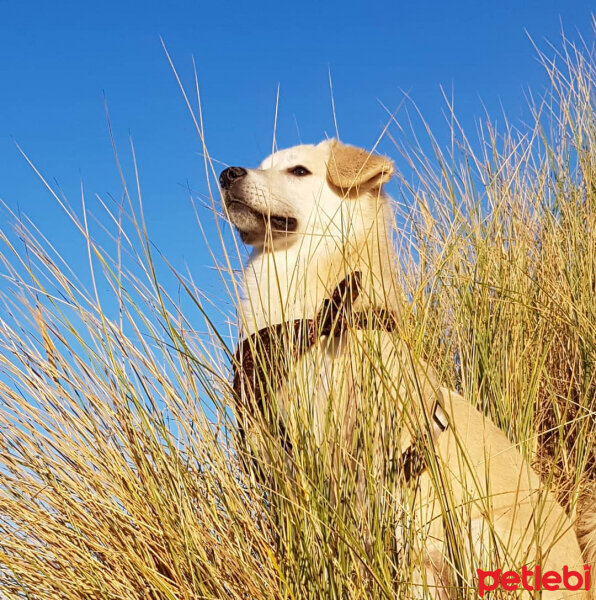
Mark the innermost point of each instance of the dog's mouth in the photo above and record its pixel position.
(252, 224)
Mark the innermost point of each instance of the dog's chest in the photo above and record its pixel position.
(332, 389)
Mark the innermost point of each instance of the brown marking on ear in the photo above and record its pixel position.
(350, 167)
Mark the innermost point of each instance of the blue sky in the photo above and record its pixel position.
(60, 58)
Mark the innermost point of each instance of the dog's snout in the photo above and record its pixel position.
(229, 175)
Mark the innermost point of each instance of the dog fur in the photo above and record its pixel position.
(314, 214)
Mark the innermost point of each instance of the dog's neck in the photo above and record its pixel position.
(292, 282)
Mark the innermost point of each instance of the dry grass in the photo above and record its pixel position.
(119, 478)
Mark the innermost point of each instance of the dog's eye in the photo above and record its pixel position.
(299, 171)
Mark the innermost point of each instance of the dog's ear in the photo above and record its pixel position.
(349, 167)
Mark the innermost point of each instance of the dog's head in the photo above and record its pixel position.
(303, 190)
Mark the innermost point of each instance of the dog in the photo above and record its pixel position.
(319, 332)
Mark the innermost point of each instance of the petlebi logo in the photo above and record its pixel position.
(533, 580)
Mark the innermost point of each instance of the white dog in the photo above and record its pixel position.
(322, 291)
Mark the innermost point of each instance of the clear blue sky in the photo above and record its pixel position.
(59, 58)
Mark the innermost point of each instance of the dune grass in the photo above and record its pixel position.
(120, 475)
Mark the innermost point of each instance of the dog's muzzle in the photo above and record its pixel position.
(246, 210)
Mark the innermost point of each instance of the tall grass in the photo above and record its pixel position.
(120, 472)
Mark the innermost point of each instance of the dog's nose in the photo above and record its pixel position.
(229, 175)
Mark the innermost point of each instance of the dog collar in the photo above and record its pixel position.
(258, 371)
